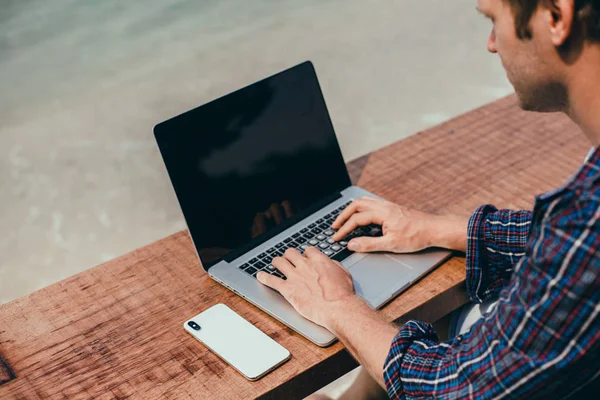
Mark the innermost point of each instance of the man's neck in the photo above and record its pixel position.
(584, 93)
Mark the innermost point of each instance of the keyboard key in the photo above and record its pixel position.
(376, 232)
(312, 226)
(335, 247)
(287, 240)
(313, 242)
(304, 246)
(280, 275)
(244, 266)
(342, 255)
(324, 226)
(344, 243)
(301, 240)
(316, 230)
(253, 260)
(308, 235)
(270, 267)
(268, 260)
(279, 245)
(304, 230)
(323, 245)
(327, 252)
(321, 237)
(320, 221)
(353, 234)
(330, 241)
(295, 235)
(259, 265)
(251, 270)
(328, 232)
(262, 255)
(271, 251)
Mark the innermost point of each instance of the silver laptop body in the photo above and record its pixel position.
(206, 152)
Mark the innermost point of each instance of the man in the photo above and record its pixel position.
(542, 339)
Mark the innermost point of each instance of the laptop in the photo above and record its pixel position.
(260, 170)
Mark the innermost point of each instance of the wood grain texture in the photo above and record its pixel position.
(6, 372)
(115, 331)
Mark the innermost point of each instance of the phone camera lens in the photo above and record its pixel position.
(194, 325)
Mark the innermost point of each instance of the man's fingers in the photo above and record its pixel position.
(359, 219)
(367, 244)
(354, 207)
(294, 256)
(313, 252)
(271, 281)
(283, 265)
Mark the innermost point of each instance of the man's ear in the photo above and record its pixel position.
(560, 20)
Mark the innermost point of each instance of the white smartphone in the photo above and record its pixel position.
(235, 340)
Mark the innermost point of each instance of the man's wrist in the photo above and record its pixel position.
(338, 311)
(449, 232)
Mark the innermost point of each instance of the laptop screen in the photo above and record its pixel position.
(250, 164)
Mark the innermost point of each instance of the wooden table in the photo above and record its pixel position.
(115, 331)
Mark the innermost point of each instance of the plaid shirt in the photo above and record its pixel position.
(542, 340)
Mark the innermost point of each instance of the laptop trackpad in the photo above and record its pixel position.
(379, 273)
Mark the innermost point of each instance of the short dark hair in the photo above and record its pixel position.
(586, 19)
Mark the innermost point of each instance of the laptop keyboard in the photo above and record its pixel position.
(317, 234)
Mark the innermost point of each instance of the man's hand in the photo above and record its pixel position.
(404, 230)
(321, 290)
(318, 287)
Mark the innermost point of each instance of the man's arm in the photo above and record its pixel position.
(364, 333)
(542, 340)
(493, 239)
(496, 241)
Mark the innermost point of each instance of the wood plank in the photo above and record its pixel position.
(6, 372)
(114, 331)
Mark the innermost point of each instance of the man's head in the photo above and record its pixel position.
(539, 43)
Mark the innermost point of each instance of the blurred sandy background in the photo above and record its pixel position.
(83, 82)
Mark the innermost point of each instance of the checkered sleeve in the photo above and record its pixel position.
(496, 242)
(541, 341)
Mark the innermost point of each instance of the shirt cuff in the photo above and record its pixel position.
(392, 369)
(476, 257)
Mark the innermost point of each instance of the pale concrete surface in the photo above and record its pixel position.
(82, 83)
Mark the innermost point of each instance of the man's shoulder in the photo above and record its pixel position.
(586, 186)
(579, 205)
(589, 186)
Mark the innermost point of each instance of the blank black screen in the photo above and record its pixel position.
(250, 164)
